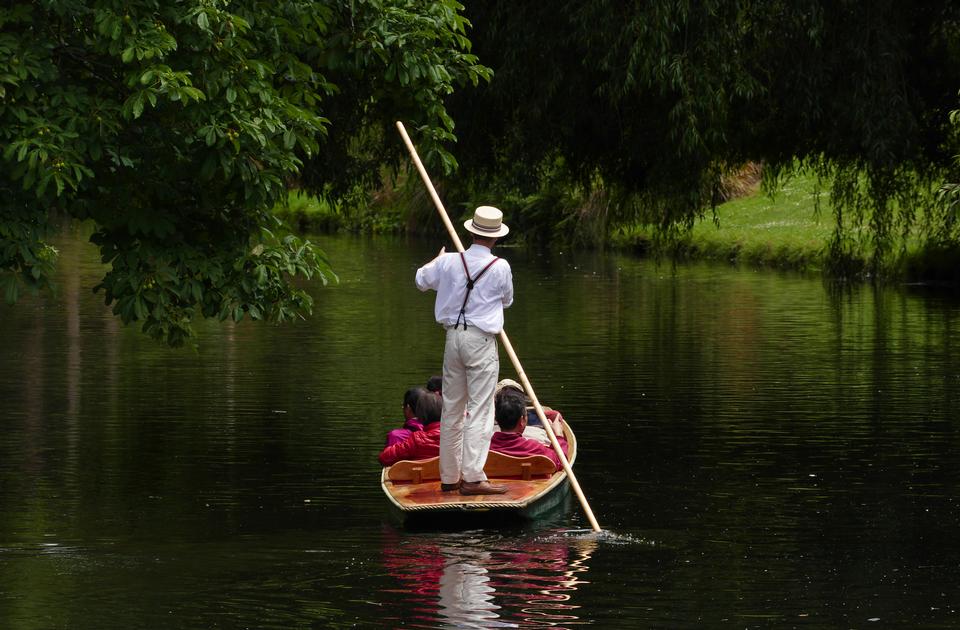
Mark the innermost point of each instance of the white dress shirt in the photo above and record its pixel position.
(490, 295)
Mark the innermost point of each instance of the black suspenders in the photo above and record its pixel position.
(470, 283)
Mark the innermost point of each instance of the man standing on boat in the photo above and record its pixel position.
(472, 289)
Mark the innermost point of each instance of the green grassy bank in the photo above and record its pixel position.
(788, 231)
(383, 212)
(784, 231)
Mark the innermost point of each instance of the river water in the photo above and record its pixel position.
(761, 449)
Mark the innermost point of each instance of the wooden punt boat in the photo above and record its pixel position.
(534, 487)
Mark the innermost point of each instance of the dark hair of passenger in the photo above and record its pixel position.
(509, 407)
(429, 408)
(435, 384)
(411, 397)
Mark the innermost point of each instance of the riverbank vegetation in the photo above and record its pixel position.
(793, 227)
(621, 125)
(790, 227)
(177, 129)
(650, 107)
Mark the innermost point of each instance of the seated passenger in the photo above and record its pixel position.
(510, 414)
(534, 430)
(411, 423)
(421, 444)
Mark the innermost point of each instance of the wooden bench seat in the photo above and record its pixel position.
(415, 471)
(498, 466)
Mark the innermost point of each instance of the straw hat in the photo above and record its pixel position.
(487, 221)
(508, 382)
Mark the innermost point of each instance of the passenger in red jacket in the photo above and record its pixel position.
(511, 414)
(421, 444)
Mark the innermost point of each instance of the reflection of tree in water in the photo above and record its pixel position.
(484, 581)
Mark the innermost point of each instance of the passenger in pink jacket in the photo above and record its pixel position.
(511, 414)
(411, 423)
(422, 444)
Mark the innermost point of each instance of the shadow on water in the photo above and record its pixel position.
(425, 522)
(429, 521)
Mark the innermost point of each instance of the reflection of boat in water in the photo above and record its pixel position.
(477, 580)
(534, 486)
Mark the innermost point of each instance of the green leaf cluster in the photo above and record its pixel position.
(176, 126)
(168, 288)
(947, 232)
(27, 260)
(400, 60)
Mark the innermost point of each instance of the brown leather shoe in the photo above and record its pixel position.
(481, 487)
(450, 487)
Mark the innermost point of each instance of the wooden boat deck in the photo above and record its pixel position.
(415, 486)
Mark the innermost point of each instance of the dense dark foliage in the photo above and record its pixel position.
(655, 100)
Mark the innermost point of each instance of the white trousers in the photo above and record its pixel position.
(470, 369)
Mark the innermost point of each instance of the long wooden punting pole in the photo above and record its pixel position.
(503, 336)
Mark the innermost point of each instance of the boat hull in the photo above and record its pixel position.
(524, 499)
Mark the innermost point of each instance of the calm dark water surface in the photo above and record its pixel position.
(763, 451)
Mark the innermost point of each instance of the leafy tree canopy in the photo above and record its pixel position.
(657, 99)
(176, 126)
